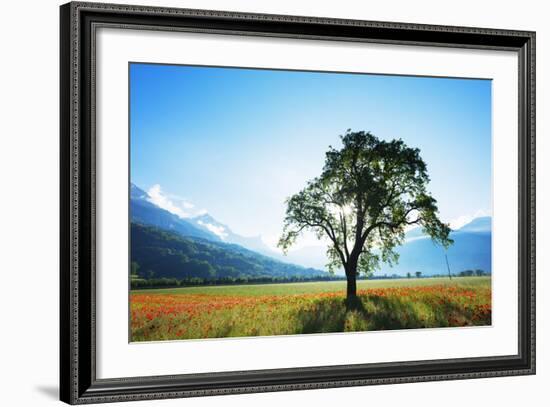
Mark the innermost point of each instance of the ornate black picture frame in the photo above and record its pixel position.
(78, 380)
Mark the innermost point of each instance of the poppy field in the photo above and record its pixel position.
(302, 308)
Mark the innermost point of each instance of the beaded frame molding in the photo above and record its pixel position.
(78, 381)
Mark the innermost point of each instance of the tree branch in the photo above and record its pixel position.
(344, 232)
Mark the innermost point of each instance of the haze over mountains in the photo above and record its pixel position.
(471, 248)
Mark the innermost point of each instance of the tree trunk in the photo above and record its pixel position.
(352, 302)
(351, 291)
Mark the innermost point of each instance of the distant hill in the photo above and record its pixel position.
(159, 253)
(471, 250)
(482, 224)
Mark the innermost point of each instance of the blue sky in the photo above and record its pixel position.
(237, 142)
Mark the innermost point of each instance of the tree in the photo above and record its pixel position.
(466, 273)
(368, 193)
(408, 275)
(418, 274)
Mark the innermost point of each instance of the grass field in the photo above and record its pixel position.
(301, 308)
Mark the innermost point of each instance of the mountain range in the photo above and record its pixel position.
(143, 211)
(158, 253)
(471, 248)
(163, 245)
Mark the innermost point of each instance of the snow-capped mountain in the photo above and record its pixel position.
(208, 223)
(145, 212)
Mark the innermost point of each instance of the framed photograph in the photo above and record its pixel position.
(254, 203)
